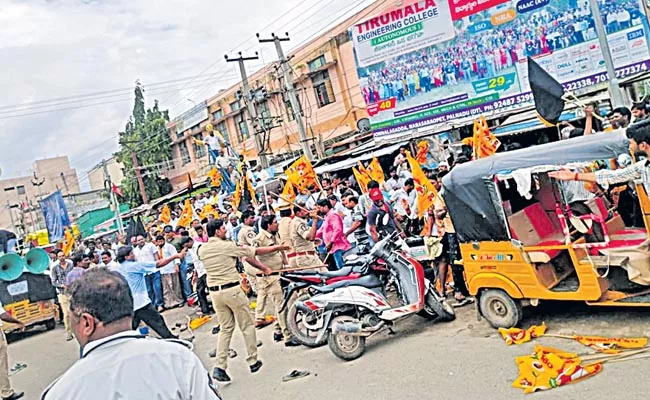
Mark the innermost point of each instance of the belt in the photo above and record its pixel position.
(222, 287)
(301, 253)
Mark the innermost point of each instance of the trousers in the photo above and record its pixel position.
(64, 302)
(5, 384)
(202, 294)
(185, 284)
(269, 290)
(231, 305)
(153, 319)
(154, 289)
(171, 290)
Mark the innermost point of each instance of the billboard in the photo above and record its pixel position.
(55, 215)
(479, 65)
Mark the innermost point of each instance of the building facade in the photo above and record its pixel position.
(326, 82)
(19, 196)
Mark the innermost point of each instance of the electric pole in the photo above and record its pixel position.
(252, 111)
(138, 176)
(11, 215)
(293, 99)
(108, 184)
(614, 89)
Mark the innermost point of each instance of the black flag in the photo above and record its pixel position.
(547, 93)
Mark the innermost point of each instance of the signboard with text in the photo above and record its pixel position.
(412, 74)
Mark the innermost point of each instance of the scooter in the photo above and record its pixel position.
(352, 312)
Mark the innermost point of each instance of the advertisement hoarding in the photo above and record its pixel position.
(413, 75)
(55, 215)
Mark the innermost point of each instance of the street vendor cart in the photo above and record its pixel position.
(521, 243)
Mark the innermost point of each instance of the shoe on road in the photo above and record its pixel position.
(256, 367)
(262, 323)
(220, 375)
(278, 336)
(68, 338)
(295, 374)
(291, 343)
(14, 396)
(463, 302)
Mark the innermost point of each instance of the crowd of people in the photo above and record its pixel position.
(486, 54)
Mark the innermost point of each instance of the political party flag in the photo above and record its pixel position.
(301, 173)
(423, 151)
(484, 143)
(612, 345)
(215, 177)
(362, 179)
(288, 192)
(116, 189)
(236, 196)
(547, 92)
(362, 169)
(165, 215)
(519, 336)
(68, 241)
(186, 215)
(208, 210)
(427, 193)
(248, 195)
(375, 172)
(549, 368)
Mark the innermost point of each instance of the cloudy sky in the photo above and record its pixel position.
(69, 67)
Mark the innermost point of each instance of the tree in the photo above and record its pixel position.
(145, 134)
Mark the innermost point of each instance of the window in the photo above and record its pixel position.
(9, 189)
(242, 127)
(199, 149)
(217, 115)
(265, 115)
(221, 127)
(20, 189)
(235, 105)
(317, 63)
(287, 105)
(185, 153)
(323, 88)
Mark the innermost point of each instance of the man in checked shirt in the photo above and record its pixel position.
(639, 135)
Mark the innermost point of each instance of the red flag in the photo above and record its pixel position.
(116, 189)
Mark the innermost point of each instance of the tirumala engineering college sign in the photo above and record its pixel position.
(432, 62)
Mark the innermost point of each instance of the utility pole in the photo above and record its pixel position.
(65, 183)
(252, 111)
(38, 184)
(11, 215)
(108, 184)
(615, 90)
(293, 99)
(138, 175)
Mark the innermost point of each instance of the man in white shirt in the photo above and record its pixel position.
(192, 247)
(117, 362)
(214, 146)
(146, 252)
(107, 261)
(404, 202)
(169, 274)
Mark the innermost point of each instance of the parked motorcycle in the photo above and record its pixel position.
(352, 311)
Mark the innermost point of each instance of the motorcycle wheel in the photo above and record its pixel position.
(437, 308)
(300, 332)
(346, 347)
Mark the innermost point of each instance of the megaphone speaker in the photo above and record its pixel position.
(37, 260)
(11, 267)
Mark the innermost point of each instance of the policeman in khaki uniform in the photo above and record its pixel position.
(302, 238)
(219, 257)
(268, 287)
(284, 227)
(246, 237)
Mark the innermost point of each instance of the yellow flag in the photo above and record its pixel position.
(375, 171)
(165, 215)
(427, 193)
(197, 141)
(362, 179)
(519, 336)
(251, 190)
(289, 193)
(215, 177)
(68, 242)
(186, 216)
(485, 143)
(208, 210)
(236, 197)
(301, 173)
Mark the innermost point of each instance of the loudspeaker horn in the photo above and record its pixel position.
(11, 267)
(37, 260)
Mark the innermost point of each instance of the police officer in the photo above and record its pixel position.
(246, 237)
(302, 238)
(219, 257)
(268, 287)
(284, 227)
(118, 362)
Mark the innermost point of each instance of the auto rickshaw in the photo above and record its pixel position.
(521, 244)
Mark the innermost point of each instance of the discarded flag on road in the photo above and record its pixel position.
(519, 336)
(547, 92)
(612, 345)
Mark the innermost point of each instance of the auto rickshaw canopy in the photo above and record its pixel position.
(471, 196)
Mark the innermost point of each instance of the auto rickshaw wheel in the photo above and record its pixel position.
(499, 309)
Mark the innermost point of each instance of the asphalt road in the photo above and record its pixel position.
(464, 359)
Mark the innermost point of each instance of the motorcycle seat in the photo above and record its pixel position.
(345, 271)
(415, 241)
(368, 281)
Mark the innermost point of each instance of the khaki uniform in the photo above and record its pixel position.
(219, 258)
(304, 251)
(246, 237)
(284, 231)
(268, 287)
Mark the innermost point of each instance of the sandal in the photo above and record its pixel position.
(295, 374)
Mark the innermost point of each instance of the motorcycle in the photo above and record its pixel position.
(349, 312)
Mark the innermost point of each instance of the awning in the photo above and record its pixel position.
(350, 162)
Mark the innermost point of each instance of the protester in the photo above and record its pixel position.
(192, 247)
(81, 263)
(146, 252)
(169, 274)
(134, 272)
(219, 257)
(640, 111)
(117, 361)
(404, 202)
(59, 275)
(377, 223)
(107, 260)
(358, 227)
(332, 232)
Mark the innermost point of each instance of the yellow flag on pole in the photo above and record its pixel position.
(236, 197)
(186, 216)
(484, 142)
(362, 179)
(427, 193)
(375, 171)
(215, 177)
(288, 192)
(165, 215)
(68, 242)
(301, 173)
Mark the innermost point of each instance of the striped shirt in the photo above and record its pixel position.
(639, 171)
(575, 191)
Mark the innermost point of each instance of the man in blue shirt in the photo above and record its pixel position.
(134, 272)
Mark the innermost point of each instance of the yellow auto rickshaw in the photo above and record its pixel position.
(522, 244)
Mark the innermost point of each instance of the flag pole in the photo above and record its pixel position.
(290, 202)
